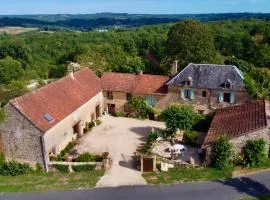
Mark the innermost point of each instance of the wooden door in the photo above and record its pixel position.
(148, 164)
(111, 109)
(97, 111)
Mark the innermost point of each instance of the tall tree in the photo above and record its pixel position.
(189, 41)
(10, 70)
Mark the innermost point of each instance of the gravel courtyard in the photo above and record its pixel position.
(120, 137)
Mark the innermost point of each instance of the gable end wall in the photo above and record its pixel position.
(21, 139)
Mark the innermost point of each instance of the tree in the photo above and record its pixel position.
(178, 117)
(189, 41)
(16, 49)
(221, 154)
(255, 152)
(12, 90)
(10, 70)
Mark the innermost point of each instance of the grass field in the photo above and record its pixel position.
(178, 175)
(16, 30)
(49, 181)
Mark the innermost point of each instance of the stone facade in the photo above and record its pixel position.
(22, 141)
(120, 99)
(203, 104)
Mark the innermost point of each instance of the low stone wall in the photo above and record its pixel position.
(105, 164)
(99, 165)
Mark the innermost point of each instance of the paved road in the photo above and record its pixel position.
(234, 189)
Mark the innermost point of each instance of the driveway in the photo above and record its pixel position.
(120, 137)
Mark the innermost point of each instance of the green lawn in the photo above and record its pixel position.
(184, 175)
(49, 181)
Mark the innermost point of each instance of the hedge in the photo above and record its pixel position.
(87, 157)
(61, 168)
(14, 168)
(83, 168)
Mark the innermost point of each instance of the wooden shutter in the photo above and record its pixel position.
(182, 94)
(220, 97)
(232, 98)
(192, 95)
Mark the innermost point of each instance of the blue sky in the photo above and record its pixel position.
(131, 6)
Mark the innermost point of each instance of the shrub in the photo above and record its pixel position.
(2, 159)
(98, 122)
(90, 125)
(255, 152)
(221, 153)
(39, 168)
(14, 168)
(178, 117)
(85, 157)
(61, 168)
(190, 137)
(98, 158)
(202, 123)
(83, 168)
(56, 158)
(68, 148)
(119, 114)
(140, 108)
(152, 137)
(105, 155)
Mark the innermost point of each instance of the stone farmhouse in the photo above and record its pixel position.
(208, 87)
(46, 120)
(240, 123)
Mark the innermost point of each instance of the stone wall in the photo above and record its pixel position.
(240, 142)
(20, 138)
(120, 99)
(206, 104)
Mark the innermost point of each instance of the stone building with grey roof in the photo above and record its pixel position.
(207, 87)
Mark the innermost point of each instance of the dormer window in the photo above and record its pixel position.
(227, 84)
(188, 81)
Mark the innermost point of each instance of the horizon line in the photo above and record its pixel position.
(216, 13)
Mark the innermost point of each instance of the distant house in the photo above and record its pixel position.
(118, 88)
(46, 120)
(208, 87)
(240, 123)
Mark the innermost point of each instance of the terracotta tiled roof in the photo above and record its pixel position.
(141, 84)
(151, 84)
(237, 120)
(58, 99)
(118, 81)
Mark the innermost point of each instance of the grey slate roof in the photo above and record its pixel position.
(210, 76)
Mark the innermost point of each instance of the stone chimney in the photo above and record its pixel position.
(71, 74)
(174, 67)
